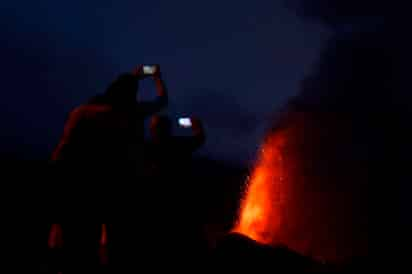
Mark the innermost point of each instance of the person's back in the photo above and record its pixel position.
(171, 184)
(98, 158)
(96, 163)
(102, 133)
(108, 131)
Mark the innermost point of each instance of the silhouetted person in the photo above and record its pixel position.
(174, 188)
(110, 127)
(103, 140)
(97, 161)
(168, 153)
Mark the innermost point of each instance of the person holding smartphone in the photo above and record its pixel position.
(97, 160)
(169, 156)
(103, 141)
(109, 125)
(173, 183)
(165, 148)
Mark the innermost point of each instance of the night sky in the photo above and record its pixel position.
(231, 63)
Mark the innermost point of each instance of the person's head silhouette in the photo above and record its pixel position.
(160, 127)
(123, 90)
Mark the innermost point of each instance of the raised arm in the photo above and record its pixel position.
(160, 86)
(162, 99)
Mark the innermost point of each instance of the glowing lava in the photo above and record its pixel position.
(308, 190)
(261, 210)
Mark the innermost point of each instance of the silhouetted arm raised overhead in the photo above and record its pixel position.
(162, 100)
(160, 85)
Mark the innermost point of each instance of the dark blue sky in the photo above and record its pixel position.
(230, 63)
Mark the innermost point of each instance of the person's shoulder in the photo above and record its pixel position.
(90, 109)
(98, 99)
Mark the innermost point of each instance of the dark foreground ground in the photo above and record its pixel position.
(146, 219)
(184, 227)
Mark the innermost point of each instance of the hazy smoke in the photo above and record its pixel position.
(349, 141)
(338, 12)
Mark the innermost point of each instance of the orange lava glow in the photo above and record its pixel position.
(260, 215)
(302, 192)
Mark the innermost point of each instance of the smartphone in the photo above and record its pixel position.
(185, 122)
(149, 69)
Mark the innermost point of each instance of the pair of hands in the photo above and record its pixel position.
(138, 71)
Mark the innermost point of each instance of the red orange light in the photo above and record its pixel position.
(261, 210)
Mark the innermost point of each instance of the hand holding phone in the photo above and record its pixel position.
(143, 71)
(150, 69)
(185, 122)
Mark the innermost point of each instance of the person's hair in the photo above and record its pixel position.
(123, 89)
(161, 126)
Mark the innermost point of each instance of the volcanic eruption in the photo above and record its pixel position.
(333, 171)
(261, 216)
(302, 193)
